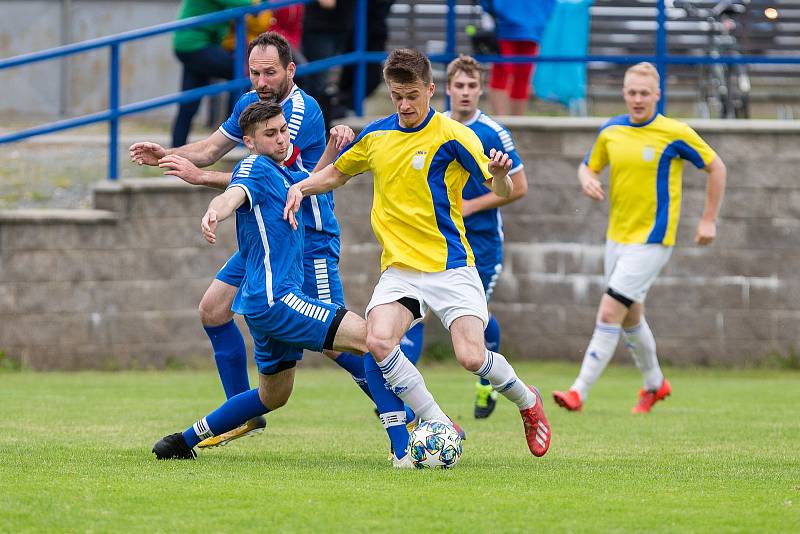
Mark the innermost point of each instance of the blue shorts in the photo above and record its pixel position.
(232, 273)
(489, 279)
(321, 267)
(293, 323)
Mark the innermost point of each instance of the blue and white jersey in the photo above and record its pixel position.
(485, 228)
(273, 251)
(307, 133)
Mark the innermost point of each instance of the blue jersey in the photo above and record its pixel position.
(485, 228)
(272, 250)
(307, 133)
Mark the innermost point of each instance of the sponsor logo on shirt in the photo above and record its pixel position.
(418, 161)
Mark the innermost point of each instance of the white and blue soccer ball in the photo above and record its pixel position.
(434, 445)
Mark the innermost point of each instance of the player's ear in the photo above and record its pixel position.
(291, 68)
(248, 142)
(431, 89)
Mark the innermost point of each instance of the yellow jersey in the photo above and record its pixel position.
(419, 176)
(646, 172)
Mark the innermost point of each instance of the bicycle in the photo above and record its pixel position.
(724, 89)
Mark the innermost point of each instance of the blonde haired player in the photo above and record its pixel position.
(646, 151)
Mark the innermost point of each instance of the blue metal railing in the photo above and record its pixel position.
(359, 57)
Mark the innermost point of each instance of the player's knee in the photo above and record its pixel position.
(471, 360)
(380, 345)
(213, 313)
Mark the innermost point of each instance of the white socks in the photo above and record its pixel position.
(407, 383)
(599, 352)
(504, 380)
(642, 344)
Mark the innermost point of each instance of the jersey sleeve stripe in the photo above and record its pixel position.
(229, 136)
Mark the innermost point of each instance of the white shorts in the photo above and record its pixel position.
(632, 269)
(449, 294)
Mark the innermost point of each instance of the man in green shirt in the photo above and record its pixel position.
(199, 50)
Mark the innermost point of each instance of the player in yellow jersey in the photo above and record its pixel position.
(421, 160)
(645, 151)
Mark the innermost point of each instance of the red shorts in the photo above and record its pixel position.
(518, 75)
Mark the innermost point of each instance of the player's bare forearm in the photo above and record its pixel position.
(715, 189)
(519, 188)
(225, 204)
(216, 179)
(323, 181)
(206, 152)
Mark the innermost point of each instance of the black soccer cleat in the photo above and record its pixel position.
(173, 447)
(485, 401)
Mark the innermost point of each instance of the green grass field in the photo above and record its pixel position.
(721, 454)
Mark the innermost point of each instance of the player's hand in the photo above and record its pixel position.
(706, 232)
(342, 135)
(146, 153)
(209, 226)
(293, 199)
(181, 167)
(593, 189)
(499, 163)
(327, 4)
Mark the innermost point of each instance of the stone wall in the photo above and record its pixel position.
(118, 286)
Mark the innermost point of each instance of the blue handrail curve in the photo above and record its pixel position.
(360, 58)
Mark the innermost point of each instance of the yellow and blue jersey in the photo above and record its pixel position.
(419, 174)
(646, 175)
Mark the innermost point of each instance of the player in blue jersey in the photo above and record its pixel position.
(281, 318)
(272, 73)
(420, 161)
(482, 218)
(645, 151)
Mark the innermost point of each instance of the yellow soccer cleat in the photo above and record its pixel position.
(251, 428)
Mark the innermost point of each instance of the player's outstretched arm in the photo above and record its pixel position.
(317, 183)
(221, 207)
(201, 153)
(715, 190)
(590, 185)
(499, 165)
(340, 136)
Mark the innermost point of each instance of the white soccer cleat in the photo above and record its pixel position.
(403, 463)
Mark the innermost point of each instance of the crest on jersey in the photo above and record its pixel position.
(648, 153)
(418, 161)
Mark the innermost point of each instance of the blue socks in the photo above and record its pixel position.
(236, 411)
(354, 365)
(390, 407)
(491, 337)
(411, 343)
(231, 357)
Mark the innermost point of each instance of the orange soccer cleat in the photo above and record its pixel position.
(537, 429)
(571, 400)
(648, 398)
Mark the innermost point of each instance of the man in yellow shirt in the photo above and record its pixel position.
(421, 160)
(646, 152)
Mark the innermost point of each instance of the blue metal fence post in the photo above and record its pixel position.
(241, 46)
(661, 52)
(451, 39)
(113, 106)
(451, 28)
(360, 85)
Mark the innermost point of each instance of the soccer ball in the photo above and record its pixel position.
(434, 444)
